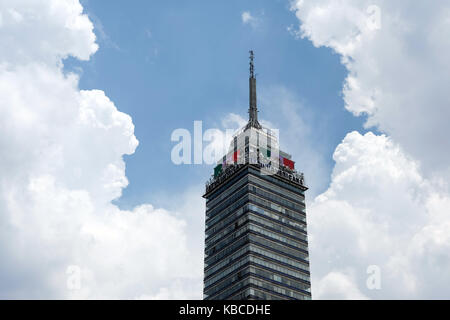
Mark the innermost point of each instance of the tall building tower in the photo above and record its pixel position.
(256, 243)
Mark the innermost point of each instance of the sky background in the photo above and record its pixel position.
(167, 64)
(91, 205)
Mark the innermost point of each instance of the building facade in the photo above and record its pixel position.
(256, 244)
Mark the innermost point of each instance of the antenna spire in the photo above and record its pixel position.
(252, 67)
(253, 110)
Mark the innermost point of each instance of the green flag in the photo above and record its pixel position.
(265, 152)
(217, 170)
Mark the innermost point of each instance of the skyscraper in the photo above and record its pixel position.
(256, 244)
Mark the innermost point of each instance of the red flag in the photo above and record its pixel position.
(235, 156)
(288, 163)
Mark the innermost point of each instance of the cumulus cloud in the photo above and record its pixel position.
(336, 284)
(379, 210)
(398, 70)
(61, 166)
(44, 31)
(387, 204)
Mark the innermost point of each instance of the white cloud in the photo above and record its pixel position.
(44, 31)
(384, 207)
(396, 54)
(379, 210)
(61, 166)
(248, 18)
(336, 285)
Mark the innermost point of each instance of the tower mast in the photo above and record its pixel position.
(253, 109)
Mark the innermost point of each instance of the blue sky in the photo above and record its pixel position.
(168, 63)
